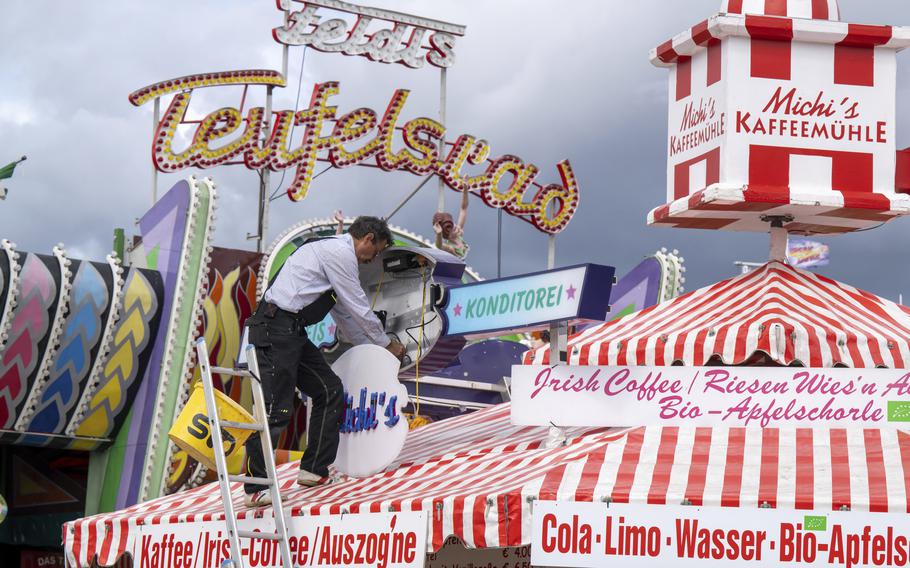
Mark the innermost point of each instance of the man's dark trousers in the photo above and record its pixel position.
(288, 359)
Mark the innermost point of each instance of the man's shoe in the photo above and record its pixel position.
(307, 479)
(258, 499)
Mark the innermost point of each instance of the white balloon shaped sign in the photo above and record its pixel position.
(373, 429)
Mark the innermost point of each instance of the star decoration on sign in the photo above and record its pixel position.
(457, 310)
(570, 292)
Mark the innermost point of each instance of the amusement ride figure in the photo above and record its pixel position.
(315, 277)
(339, 218)
(449, 235)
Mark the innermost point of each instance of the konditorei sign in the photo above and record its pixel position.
(710, 396)
(364, 540)
(596, 535)
(386, 45)
(529, 301)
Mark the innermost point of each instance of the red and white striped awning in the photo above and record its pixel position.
(478, 475)
(774, 314)
(814, 9)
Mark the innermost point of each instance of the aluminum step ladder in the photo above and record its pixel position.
(224, 478)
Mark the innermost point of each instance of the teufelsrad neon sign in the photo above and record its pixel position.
(224, 136)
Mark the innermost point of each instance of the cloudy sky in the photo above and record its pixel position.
(541, 80)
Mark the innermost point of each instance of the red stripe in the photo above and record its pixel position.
(875, 463)
(666, 453)
(776, 8)
(479, 524)
(681, 172)
(805, 469)
(715, 55)
(106, 544)
(625, 475)
(683, 77)
(770, 46)
(77, 541)
(851, 172)
(590, 474)
(701, 35)
(510, 519)
(550, 486)
(903, 171)
(733, 472)
(666, 53)
(698, 470)
(735, 7)
(854, 56)
(92, 540)
(770, 466)
(840, 469)
(820, 9)
(903, 441)
(437, 513)
(458, 517)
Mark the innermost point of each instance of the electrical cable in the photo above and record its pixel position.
(327, 168)
(378, 288)
(423, 304)
(293, 123)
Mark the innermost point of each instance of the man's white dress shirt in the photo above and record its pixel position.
(322, 265)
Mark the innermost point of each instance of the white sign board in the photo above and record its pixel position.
(373, 430)
(597, 535)
(709, 396)
(379, 539)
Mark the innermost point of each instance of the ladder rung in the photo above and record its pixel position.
(242, 425)
(254, 534)
(231, 372)
(252, 480)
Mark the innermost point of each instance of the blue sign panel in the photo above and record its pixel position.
(531, 301)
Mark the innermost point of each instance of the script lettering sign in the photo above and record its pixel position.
(402, 43)
(710, 396)
(361, 136)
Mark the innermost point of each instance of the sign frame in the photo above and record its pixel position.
(591, 302)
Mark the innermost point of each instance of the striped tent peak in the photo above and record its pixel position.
(775, 314)
(809, 9)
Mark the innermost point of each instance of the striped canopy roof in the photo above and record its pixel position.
(477, 477)
(775, 314)
(815, 9)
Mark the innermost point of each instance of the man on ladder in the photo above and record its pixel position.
(319, 277)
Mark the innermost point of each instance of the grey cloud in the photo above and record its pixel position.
(542, 80)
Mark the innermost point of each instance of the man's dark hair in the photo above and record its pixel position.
(364, 225)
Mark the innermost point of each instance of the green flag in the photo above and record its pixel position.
(6, 171)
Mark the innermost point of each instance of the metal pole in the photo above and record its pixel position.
(264, 177)
(557, 331)
(155, 118)
(408, 198)
(551, 252)
(499, 243)
(441, 202)
(284, 50)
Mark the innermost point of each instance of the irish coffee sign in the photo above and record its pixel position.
(710, 396)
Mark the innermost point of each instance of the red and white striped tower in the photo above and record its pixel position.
(780, 111)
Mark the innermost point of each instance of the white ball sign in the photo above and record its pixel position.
(373, 429)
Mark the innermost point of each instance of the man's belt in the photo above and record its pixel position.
(310, 314)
